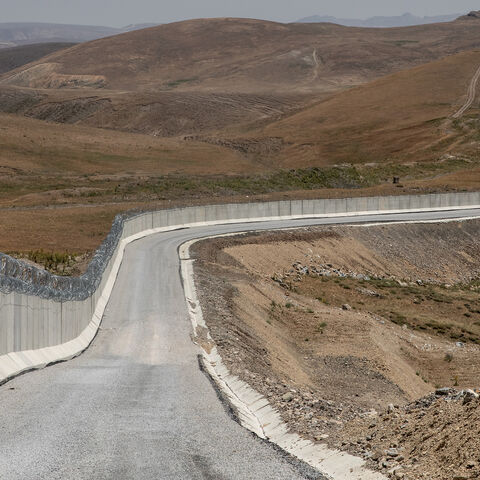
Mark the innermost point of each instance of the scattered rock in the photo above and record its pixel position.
(377, 455)
(392, 452)
(346, 306)
(443, 391)
(469, 395)
(288, 397)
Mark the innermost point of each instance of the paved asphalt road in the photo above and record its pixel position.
(135, 405)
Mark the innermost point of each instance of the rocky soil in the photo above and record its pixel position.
(338, 372)
(435, 437)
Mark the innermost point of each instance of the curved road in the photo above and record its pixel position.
(135, 405)
(471, 94)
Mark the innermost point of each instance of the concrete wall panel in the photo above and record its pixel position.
(296, 207)
(308, 207)
(160, 219)
(6, 323)
(285, 208)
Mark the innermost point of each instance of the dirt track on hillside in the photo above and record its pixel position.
(471, 94)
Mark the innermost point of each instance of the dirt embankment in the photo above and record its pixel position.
(334, 325)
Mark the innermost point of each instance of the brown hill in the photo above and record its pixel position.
(203, 76)
(402, 117)
(12, 58)
(399, 118)
(245, 55)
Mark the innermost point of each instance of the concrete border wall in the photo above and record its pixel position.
(37, 331)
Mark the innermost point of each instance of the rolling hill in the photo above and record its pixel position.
(242, 55)
(204, 85)
(14, 57)
(205, 80)
(211, 75)
(25, 33)
(403, 117)
(405, 20)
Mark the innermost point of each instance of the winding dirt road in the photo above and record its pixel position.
(472, 92)
(316, 64)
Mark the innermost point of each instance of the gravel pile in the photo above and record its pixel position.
(436, 437)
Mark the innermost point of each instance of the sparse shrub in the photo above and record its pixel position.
(448, 357)
(54, 262)
(397, 318)
(321, 326)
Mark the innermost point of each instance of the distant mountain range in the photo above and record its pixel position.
(14, 34)
(404, 20)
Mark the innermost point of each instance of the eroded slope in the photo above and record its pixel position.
(296, 315)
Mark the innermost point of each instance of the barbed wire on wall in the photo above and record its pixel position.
(18, 276)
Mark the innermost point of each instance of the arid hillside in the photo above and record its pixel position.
(404, 117)
(179, 125)
(11, 58)
(357, 337)
(211, 75)
(245, 55)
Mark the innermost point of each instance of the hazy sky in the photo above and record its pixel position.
(123, 12)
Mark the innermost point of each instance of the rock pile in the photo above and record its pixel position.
(303, 410)
(299, 270)
(436, 437)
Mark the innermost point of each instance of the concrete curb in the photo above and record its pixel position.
(254, 410)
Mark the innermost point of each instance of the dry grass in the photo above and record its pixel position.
(60, 185)
(402, 117)
(33, 146)
(203, 75)
(252, 55)
(453, 313)
(15, 57)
